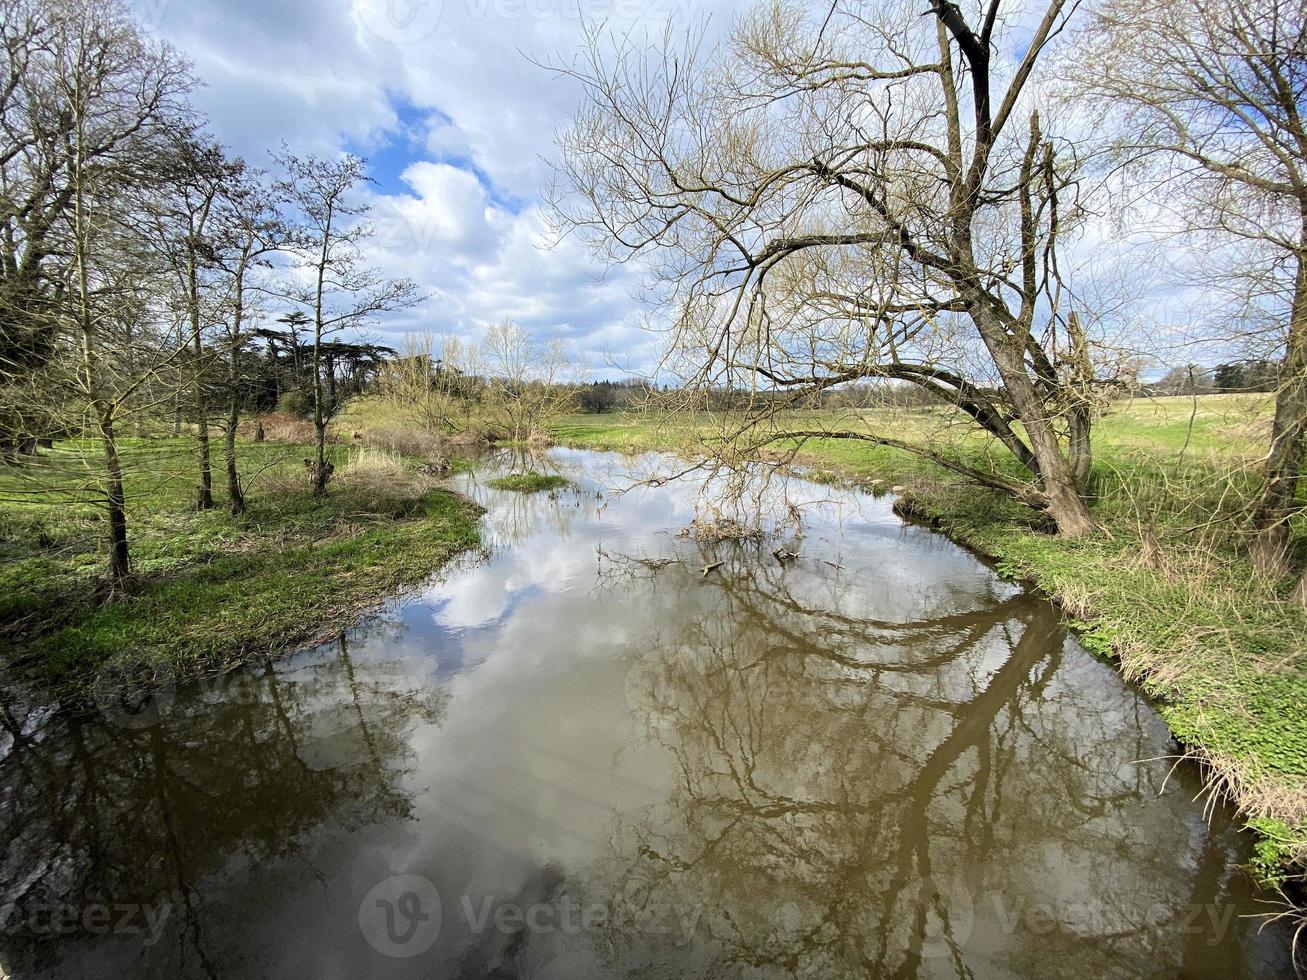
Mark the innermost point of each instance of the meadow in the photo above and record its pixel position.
(209, 589)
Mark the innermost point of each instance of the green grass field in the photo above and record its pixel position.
(1164, 589)
(1224, 426)
(208, 589)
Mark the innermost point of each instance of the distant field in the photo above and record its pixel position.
(1224, 425)
(1235, 426)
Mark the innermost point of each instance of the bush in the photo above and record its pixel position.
(297, 403)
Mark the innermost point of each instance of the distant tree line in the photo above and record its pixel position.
(1253, 375)
(601, 397)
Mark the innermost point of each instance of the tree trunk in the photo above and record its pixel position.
(119, 557)
(235, 495)
(204, 497)
(1270, 547)
(1080, 449)
(1059, 477)
(1080, 446)
(1067, 508)
(320, 471)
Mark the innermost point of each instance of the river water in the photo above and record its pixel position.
(578, 754)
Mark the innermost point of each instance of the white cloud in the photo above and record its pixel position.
(445, 98)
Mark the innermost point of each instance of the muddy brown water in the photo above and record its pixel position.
(577, 755)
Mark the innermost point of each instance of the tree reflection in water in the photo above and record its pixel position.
(877, 759)
(176, 814)
(864, 796)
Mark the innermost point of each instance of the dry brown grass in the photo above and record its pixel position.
(407, 442)
(711, 529)
(278, 427)
(380, 479)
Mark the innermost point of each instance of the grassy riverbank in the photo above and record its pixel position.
(1163, 589)
(209, 589)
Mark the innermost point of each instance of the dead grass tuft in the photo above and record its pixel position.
(407, 442)
(379, 479)
(712, 529)
(278, 427)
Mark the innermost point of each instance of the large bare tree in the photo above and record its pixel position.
(1204, 102)
(858, 192)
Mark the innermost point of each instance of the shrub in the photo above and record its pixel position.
(296, 403)
(382, 482)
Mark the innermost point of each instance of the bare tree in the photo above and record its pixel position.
(1203, 102)
(344, 292)
(253, 229)
(864, 193)
(121, 96)
(527, 383)
(186, 216)
(427, 384)
(33, 198)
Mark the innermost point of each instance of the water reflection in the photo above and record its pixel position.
(174, 821)
(960, 794)
(877, 759)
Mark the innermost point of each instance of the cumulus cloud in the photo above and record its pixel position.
(448, 101)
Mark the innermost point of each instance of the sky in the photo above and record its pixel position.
(448, 103)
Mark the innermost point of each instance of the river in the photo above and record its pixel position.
(593, 751)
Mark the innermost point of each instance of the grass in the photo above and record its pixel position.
(530, 482)
(1164, 589)
(209, 589)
